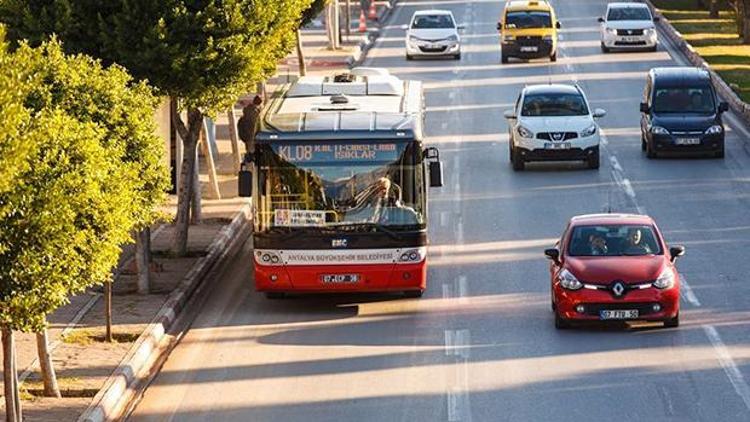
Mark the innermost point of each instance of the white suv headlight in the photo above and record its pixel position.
(589, 131)
(714, 130)
(611, 31)
(568, 280)
(413, 39)
(665, 280)
(658, 130)
(452, 38)
(525, 133)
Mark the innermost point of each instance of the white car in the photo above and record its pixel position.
(433, 33)
(553, 123)
(627, 26)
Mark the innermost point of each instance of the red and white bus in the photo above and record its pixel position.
(338, 175)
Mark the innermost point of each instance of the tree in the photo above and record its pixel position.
(206, 54)
(90, 172)
(742, 16)
(308, 15)
(714, 8)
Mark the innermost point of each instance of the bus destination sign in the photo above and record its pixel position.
(303, 153)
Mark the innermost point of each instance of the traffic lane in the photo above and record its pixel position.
(247, 358)
(703, 202)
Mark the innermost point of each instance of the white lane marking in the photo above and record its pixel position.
(457, 344)
(444, 125)
(443, 218)
(727, 363)
(615, 164)
(452, 95)
(462, 290)
(628, 188)
(460, 232)
(687, 292)
(446, 295)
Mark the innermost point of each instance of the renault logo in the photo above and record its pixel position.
(630, 32)
(618, 288)
(558, 136)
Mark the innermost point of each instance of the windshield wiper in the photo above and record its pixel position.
(392, 234)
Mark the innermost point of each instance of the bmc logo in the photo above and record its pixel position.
(339, 243)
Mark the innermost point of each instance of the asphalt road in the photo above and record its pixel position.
(481, 344)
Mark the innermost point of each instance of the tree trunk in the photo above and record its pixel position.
(739, 13)
(189, 136)
(51, 388)
(348, 18)
(195, 202)
(714, 10)
(701, 4)
(108, 311)
(10, 377)
(143, 259)
(746, 26)
(301, 54)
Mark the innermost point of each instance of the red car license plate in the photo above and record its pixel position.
(339, 278)
(619, 314)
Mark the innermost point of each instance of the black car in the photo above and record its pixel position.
(681, 113)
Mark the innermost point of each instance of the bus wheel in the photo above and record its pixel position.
(275, 295)
(413, 293)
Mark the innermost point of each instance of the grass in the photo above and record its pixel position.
(85, 337)
(69, 387)
(716, 40)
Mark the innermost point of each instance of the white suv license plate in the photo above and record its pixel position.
(619, 314)
(687, 141)
(561, 145)
(339, 278)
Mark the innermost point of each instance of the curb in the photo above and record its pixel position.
(122, 385)
(722, 88)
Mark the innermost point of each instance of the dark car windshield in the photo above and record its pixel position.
(613, 240)
(698, 100)
(628, 14)
(554, 104)
(530, 19)
(433, 22)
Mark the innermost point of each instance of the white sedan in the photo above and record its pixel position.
(628, 26)
(553, 123)
(433, 33)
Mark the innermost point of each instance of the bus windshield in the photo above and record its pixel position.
(340, 184)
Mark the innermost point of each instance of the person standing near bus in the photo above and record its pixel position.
(247, 126)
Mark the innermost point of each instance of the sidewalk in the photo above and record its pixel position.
(83, 362)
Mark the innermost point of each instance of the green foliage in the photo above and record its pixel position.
(207, 53)
(89, 172)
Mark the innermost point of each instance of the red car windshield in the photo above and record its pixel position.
(613, 240)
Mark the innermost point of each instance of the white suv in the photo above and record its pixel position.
(628, 25)
(433, 33)
(553, 123)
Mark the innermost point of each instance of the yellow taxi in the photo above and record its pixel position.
(528, 30)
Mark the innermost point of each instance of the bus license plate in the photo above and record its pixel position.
(527, 49)
(687, 141)
(561, 145)
(339, 278)
(619, 314)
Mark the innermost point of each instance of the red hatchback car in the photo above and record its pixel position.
(609, 267)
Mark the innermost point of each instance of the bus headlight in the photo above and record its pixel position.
(265, 257)
(412, 256)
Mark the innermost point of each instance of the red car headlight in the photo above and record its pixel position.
(665, 280)
(568, 280)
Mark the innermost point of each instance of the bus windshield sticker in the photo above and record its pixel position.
(299, 218)
(304, 153)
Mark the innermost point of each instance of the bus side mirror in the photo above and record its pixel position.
(436, 174)
(245, 183)
(245, 178)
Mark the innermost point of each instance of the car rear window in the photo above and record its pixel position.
(528, 19)
(433, 22)
(628, 14)
(554, 104)
(613, 240)
(678, 100)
